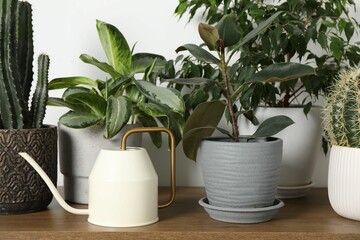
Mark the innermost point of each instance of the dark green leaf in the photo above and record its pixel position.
(192, 81)
(272, 126)
(228, 30)
(279, 72)
(141, 61)
(205, 114)
(199, 53)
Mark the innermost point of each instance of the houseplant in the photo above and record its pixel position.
(342, 126)
(107, 107)
(21, 125)
(319, 33)
(239, 171)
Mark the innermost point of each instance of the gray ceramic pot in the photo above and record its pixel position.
(240, 174)
(21, 189)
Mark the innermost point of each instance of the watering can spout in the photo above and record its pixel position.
(52, 187)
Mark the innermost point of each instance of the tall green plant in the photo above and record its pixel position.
(304, 25)
(121, 99)
(225, 40)
(16, 75)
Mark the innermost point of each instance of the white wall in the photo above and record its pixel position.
(65, 29)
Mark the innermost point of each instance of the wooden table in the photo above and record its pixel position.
(310, 217)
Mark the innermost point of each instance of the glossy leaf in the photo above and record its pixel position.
(192, 81)
(66, 82)
(79, 119)
(101, 65)
(118, 113)
(94, 102)
(149, 121)
(228, 30)
(199, 53)
(141, 61)
(204, 115)
(280, 72)
(171, 120)
(165, 96)
(115, 47)
(256, 31)
(272, 126)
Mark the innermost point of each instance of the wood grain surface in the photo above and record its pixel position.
(310, 217)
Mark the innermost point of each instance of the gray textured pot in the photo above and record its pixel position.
(240, 174)
(78, 150)
(21, 189)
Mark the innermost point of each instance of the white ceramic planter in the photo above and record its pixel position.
(78, 150)
(302, 141)
(344, 181)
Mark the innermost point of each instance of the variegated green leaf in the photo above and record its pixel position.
(101, 65)
(79, 119)
(66, 82)
(165, 96)
(94, 102)
(118, 113)
(115, 46)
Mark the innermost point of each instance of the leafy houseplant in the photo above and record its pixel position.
(121, 99)
(21, 123)
(303, 26)
(234, 166)
(109, 107)
(342, 126)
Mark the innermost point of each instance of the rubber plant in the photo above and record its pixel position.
(319, 33)
(16, 74)
(224, 39)
(122, 98)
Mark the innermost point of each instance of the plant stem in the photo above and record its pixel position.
(230, 105)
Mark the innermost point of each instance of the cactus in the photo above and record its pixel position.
(342, 112)
(16, 74)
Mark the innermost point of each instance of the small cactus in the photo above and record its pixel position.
(16, 75)
(342, 112)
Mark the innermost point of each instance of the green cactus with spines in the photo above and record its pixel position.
(16, 74)
(342, 111)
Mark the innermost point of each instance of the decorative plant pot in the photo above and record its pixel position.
(302, 141)
(78, 150)
(344, 181)
(21, 189)
(241, 177)
(240, 174)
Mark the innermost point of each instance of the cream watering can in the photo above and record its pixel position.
(123, 185)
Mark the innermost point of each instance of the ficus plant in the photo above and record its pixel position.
(318, 33)
(122, 98)
(224, 40)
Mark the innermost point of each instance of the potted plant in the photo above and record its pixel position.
(240, 172)
(342, 126)
(21, 123)
(101, 111)
(318, 33)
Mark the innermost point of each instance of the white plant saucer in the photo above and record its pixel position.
(241, 215)
(284, 192)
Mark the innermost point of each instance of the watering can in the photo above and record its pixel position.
(123, 185)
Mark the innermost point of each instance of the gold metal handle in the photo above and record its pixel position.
(172, 156)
